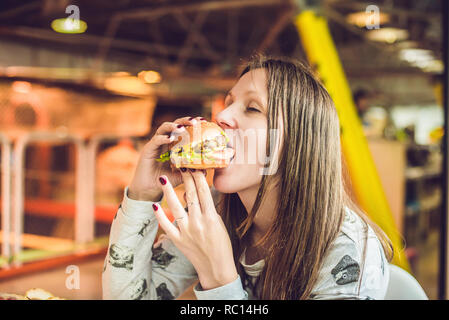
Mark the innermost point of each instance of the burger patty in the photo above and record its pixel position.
(208, 145)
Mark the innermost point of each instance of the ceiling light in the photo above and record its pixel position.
(415, 55)
(364, 19)
(422, 58)
(68, 25)
(388, 35)
(150, 76)
(434, 66)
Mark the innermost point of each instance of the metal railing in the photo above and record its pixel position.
(6, 195)
(13, 186)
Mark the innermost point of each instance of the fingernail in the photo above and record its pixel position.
(162, 180)
(155, 207)
(193, 120)
(192, 170)
(179, 126)
(204, 119)
(183, 169)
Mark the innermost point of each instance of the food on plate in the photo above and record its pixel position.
(11, 296)
(38, 294)
(32, 294)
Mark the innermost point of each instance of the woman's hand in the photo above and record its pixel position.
(144, 185)
(201, 234)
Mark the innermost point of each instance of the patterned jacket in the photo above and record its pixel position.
(133, 269)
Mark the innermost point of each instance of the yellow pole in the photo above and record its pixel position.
(322, 54)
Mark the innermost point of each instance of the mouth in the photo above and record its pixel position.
(227, 155)
(229, 145)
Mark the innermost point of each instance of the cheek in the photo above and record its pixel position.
(237, 177)
(246, 169)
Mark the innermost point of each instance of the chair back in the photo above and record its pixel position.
(403, 286)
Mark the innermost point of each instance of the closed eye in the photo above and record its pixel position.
(250, 109)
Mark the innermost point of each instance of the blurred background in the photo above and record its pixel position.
(84, 84)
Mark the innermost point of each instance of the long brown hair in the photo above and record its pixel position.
(309, 178)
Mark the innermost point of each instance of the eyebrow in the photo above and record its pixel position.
(246, 92)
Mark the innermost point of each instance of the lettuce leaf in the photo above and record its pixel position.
(224, 135)
(164, 157)
(190, 156)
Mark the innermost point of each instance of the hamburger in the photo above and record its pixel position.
(199, 146)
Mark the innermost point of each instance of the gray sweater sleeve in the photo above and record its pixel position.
(133, 269)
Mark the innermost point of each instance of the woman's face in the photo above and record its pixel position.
(244, 120)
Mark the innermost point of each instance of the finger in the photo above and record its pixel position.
(172, 199)
(159, 241)
(160, 140)
(198, 119)
(193, 203)
(169, 128)
(171, 231)
(203, 191)
(186, 121)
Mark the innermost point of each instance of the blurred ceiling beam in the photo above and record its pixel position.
(193, 28)
(337, 17)
(201, 6)
(194, 35)
(105, 43)
(50, 7)
(232, 36)
(396, 11)
(157, 35)
(8, 14)
(90, 40)
(109, 36)
(371, 72)
(284, 19)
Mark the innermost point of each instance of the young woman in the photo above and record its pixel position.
(285, 229)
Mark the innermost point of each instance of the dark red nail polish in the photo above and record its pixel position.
(203, 119)
(183, 169)
(191, 118)
(179, 126)
(155, 207)
(163, 181)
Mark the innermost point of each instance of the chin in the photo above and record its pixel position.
(225, 184)
(234, 179)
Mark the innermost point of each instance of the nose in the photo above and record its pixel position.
(226, 120)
